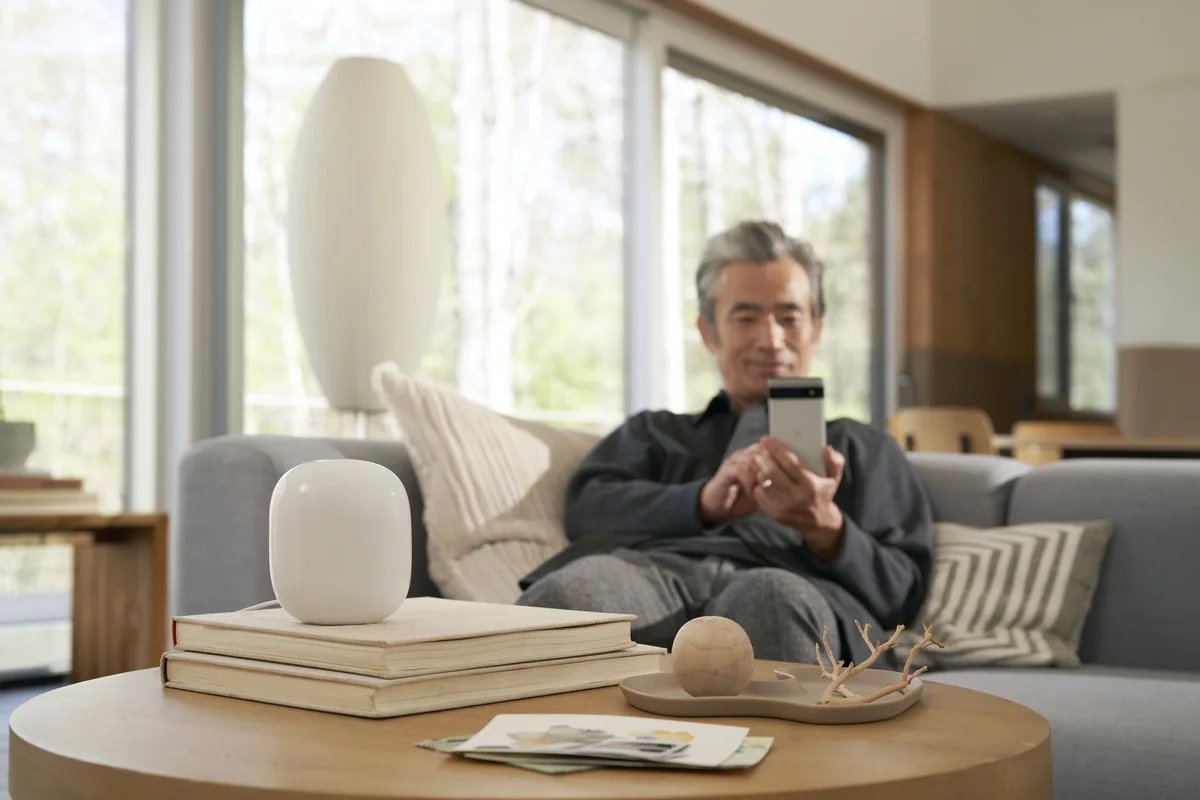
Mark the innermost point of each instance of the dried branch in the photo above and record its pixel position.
(837, 665)
(886, 690)
(828, 649)
(876, 651)
(918, 647)
(838, 677)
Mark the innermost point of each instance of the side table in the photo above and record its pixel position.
(119, 600)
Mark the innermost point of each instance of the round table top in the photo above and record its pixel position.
(126, 736)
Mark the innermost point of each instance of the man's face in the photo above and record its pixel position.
(764, 326)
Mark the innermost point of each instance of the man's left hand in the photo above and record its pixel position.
(798, 497)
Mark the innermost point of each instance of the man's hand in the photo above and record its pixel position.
(798, 497)
(729, 494)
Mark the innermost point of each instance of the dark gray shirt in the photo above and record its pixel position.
(640, 487)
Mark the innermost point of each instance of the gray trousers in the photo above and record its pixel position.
(782, 612)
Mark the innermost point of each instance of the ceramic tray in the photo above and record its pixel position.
(793, 696)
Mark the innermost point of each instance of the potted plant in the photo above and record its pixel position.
(16, 442)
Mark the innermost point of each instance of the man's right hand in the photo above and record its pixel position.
(729, 494)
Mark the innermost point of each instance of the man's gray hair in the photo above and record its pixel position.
(758, 242)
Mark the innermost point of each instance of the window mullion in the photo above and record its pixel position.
(650, 320)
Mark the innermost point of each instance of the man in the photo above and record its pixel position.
(677, 516)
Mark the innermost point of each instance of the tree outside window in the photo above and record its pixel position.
(62, 234)
(729, 157)
(528, 110)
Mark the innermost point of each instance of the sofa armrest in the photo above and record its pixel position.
(221, 519)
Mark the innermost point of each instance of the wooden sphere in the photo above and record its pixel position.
(712, 657)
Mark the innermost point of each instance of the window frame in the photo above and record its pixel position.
(1062, 315)
(184, 253)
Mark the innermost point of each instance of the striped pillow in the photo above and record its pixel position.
(1015, 596)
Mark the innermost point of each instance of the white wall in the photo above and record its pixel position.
(886, 42)
(1158, 227)
(965, 52)
(987, 51)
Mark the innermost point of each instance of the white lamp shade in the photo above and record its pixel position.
(366, 228)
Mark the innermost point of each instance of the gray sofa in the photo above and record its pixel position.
(1126, 724)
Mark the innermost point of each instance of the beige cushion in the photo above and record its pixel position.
(494, 486)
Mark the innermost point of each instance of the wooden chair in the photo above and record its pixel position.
(944, 429)
(1037, 453)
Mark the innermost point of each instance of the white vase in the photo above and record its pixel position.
(340, 542)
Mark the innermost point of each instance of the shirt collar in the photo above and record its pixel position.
(720, 404)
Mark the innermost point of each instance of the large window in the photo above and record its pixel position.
(1093, 308)
(1076, 301)
(528, 110)
(729, 157)
(547, 114)
(62, 234)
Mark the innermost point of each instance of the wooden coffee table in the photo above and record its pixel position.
(124, 736)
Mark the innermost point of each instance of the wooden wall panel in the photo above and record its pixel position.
(1158, 391)
(919, 237)
(970, 280)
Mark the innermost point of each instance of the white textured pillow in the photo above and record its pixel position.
(494, 486)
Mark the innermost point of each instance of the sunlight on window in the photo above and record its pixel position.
(532, 144)
(62, 228)
(1093, 308)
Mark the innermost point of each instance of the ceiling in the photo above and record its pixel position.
(1078, 133)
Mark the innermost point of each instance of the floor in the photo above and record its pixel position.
(35, 600)
(11, 696)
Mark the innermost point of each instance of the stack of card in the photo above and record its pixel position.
(559, 744)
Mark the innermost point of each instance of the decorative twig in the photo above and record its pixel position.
(838, 677)
(926, 640)
(837, 665)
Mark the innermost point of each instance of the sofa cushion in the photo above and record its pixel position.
(494, 486)
(1114, 736)
(1144, 611)
(967, 489)
(1012, 596)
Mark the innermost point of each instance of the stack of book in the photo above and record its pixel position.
(32, 493)
(432, 654)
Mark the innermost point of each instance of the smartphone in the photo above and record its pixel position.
(796, 417)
